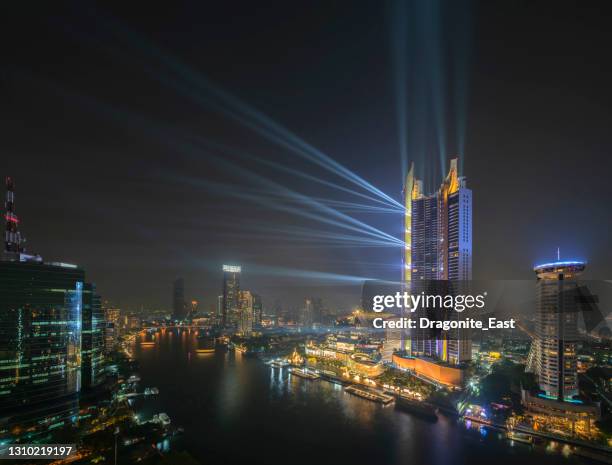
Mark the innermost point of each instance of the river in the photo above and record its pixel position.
(238, 410)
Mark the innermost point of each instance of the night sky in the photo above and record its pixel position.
(129, 131)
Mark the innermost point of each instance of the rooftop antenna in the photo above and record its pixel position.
(12, 238)
(13, 241)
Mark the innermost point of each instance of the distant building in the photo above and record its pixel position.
(93, 342)
(112, 328)
(179, 309)
(257, 310)
(112, 315)
(313, 312)
(219, 312)
(133, 322)
(110, 337)
(245, 313)
(194, 307)
(308, 313)
(231, 292)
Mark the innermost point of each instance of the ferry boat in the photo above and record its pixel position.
(147, 339)
(417, 407)
(477, 419)
(302, 373)
(369, 395)
(279, 363)
(519, 437)
(205, 343)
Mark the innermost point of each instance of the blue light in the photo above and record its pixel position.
(560, 263)
(571, 401)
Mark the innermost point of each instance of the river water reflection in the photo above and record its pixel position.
(238, 410)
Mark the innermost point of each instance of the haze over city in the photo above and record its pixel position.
(145, 145)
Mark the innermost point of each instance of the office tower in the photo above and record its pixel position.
(41, 357)
(51, 336)
(178, 300)
(231, 291)
(194, 307)
(133, 322)
(317, 310)
(110, 336)
(257, 310)
(308, 313)
(112, 315)
(245, 312)
(312, 312)
(93, 327)
(553, 351)
(111, 328)
(438, 259)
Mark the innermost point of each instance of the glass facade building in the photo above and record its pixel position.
(51, 341)
(438, 259)
(93, 338)
(231, 296)
(553, 354)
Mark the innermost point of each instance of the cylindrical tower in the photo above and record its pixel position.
(556, 328)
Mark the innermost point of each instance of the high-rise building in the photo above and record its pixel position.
(246, 301)
(51, 335)
(231, 293)
(93, 342)
(438, 258)
(553, 356)
(111, 336)
(257, 310)
(112, 327)
(111, 314)
(194, 307)
(40, 332)
(307, 313)
(179, 310)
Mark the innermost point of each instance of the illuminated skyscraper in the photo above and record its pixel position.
(438, 257)
(231, 291)
(553, 351)
(41, 332)
(51, 335)
(257, 310)
(245, 312)
(93, 342)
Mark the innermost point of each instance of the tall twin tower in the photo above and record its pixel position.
(437, 256)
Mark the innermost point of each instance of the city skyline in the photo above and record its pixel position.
(366, 232)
